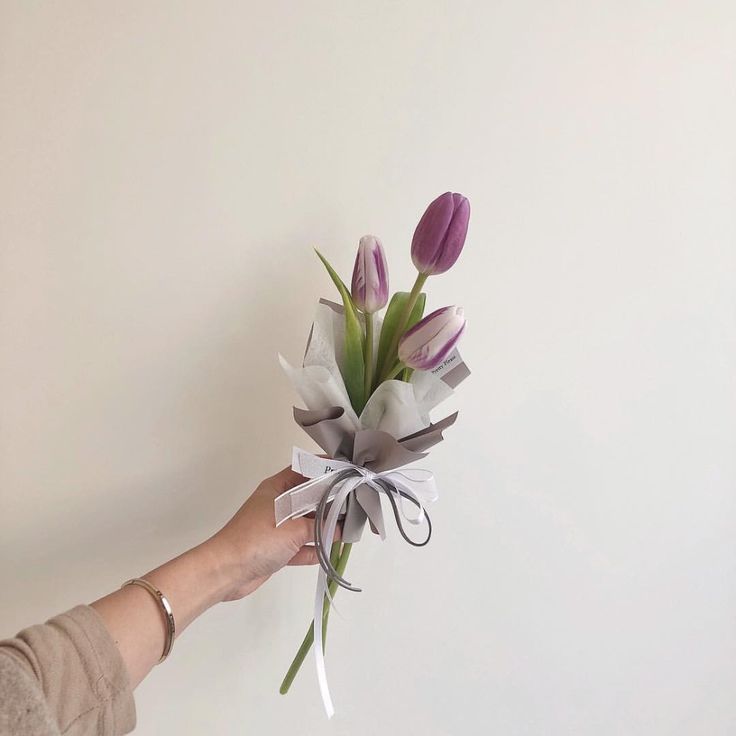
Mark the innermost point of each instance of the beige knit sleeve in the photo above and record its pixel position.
(65, 677)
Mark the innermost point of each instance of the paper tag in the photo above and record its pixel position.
(448, 366)
(311, 466)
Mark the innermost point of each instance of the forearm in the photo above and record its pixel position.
(228, 566)
(192, 582)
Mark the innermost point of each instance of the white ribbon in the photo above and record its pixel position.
(416, 484)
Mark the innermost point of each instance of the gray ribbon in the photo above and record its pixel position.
(371, 488)
(374, 450)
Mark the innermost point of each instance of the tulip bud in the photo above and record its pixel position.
(370, 276)
(440, 234)
(430, 341)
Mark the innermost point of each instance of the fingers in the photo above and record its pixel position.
(300, 530)
(307, 555)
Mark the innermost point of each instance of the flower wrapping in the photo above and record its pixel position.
(367, 407)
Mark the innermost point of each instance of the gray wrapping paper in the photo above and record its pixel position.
(369, 448)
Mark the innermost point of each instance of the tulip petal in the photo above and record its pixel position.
(429, 342)
(427, 241)
(440, 234)
(369, 286)
(454, 239)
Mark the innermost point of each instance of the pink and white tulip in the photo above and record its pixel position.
(431, 340)
(370, 276)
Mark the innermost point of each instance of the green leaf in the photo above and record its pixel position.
(353, 367)
(390, 323)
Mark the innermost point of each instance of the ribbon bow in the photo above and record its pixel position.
(355, 491)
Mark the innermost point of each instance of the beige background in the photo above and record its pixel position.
(165, 168)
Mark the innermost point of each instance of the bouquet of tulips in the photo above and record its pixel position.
(369, 384)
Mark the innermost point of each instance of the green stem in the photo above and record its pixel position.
(401, 324)
(395, 371)
(368, 355)
(339, 559)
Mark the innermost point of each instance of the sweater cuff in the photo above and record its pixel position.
(106, 673)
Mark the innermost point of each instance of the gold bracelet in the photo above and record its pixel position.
(165, 608)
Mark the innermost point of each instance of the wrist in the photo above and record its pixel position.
(214, 567)
(232, 566)
(193, 582)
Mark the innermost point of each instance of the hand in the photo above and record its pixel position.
(228, 566)
(250, 546)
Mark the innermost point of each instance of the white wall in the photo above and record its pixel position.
(165, 168)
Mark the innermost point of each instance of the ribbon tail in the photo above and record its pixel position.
(319, 656)
(389, 490)
(404, 491)
(333, 607)
(324, 530)
(319, 597)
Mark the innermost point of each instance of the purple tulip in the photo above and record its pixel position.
(440, 234)
(430, 341)
(370, 276)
